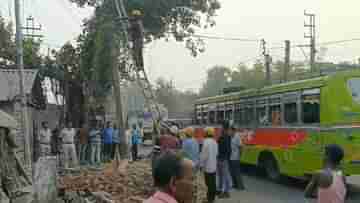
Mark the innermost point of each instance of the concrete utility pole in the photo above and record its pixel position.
(287, 60)
(119, 4)
(268, 69)
(267, 62)
(31, 28)
(20, 65)
(312, 38)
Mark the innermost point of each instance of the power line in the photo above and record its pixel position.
(339, 41)
(226, 38)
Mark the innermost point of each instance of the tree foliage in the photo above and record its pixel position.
(7, 45)
(164, 18)
(173, 99)
(32, 56)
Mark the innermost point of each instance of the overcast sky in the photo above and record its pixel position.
(275, 21)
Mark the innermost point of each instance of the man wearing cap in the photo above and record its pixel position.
(208, 163)
(137, 35)
(190, 147)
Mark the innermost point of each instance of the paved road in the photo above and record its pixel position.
(260, 190)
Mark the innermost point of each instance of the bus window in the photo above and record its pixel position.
(228, 115)
(212, 117)
(354, 85)
(290, 113)
(237, 116)
(261, 115)
(311, 112)
(311, 106)
(248, 115)
(274, 115)
(204, 117)
(220, 116)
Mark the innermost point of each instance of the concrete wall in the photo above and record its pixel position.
(35, 117)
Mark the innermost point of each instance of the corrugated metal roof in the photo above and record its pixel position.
(9, 83)
(7, 121)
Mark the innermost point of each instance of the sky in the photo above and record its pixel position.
(274, 21)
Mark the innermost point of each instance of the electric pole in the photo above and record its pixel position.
(287, 60)
(267, 59)
(20, 65)
(31, 28)
(311, 35)
(119, 5)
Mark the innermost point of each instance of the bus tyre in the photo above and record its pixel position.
(272, 169)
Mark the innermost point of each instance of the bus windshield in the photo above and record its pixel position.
(354, 85)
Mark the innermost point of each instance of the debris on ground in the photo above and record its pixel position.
(117, 182)
(128, 183)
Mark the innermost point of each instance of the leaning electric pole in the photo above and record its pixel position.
(311, 35)
(20, 65)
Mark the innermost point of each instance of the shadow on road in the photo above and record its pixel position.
(293, 183)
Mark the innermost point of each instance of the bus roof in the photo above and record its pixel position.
(268, 90)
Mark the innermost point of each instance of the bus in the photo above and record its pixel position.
(287, 126)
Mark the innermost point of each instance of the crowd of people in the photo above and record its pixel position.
(180, 159)
(218, 161)
(92, 144)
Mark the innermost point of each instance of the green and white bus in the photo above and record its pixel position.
(286, 126)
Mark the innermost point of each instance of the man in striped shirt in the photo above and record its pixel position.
(95, 143)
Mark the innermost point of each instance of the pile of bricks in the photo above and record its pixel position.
(129, 183)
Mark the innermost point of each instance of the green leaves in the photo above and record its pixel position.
(163, 18)
(7, 44)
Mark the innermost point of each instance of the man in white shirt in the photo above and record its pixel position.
(45, 139)
(67, 135)
(208, 163)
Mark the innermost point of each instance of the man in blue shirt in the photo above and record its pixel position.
(116, 142)
(190, 146)
(135, 141)
(107, 138)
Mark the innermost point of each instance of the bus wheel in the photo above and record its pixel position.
(272, 169)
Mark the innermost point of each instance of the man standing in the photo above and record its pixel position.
(95, 143)
(67, 135)
(116, 142)
(190, 147)
(84, 142)
(208, 163)
(135, 141)
(224, 185)
(169, 175)
(168, 141)
(45, 139)
(235, 160)
(107, 136)
(137, 36)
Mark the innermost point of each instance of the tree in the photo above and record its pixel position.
(174, 100)
(178, 19)
(7, 45)
(32, 56)
(103, 36)
(217, 79)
